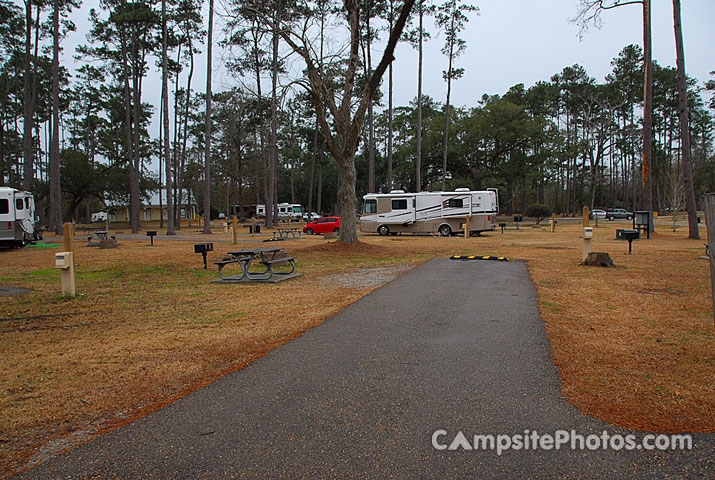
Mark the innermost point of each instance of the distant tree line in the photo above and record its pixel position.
(565, 142)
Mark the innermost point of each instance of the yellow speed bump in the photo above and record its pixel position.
(479, 257)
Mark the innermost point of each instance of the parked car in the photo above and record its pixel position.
(322, 225)
(614, 213)
(309, 217)
(597, 213)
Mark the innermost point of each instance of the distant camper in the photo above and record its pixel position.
(292, 211)
(99, 217)
(17, 218)
(430, 212)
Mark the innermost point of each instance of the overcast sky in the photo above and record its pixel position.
(510, 42)
(525, 41)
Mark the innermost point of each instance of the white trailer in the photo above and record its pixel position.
(17, 218)
(429, 212)
(292, 211)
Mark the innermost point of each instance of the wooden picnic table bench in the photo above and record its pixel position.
(287, 232)
(101, 236)
(268, 257)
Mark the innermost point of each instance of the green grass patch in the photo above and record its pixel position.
(553, 307)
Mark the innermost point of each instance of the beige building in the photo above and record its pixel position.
(151, 209)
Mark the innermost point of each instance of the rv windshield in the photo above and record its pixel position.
(370, 206)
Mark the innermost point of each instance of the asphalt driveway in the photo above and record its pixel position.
(452, 346)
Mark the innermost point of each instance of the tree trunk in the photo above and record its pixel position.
(312, 170)
(319, 205)
(264, 161)
(371, 187)
(272, 194)
(347, 200)
(129, 147)
(685, 125)
(647, 110)
(184, 139)
(207, 153)
(161, 160)
(170, 219)
(446, 120)
(55, 190)
(175, 154)
(418, 158)
(389, 117)
(28, 155)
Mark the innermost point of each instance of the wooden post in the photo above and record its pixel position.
(710, 221)
(69, 236)
(235, 230)
(253, 228)
(586, 212)
(466, 228)
(553, 222)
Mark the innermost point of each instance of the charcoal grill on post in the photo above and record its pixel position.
(629, 235)
(203, 249)
(151, 234)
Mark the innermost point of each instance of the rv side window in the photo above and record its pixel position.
(399, 204)
(19, 205)
(4, 206)
(370, 206)
(456, 203)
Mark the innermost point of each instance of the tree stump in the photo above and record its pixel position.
(598, 259)
(108, 243)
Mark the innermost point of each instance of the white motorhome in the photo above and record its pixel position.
(429, 212)
(292, 211)
(17, 218)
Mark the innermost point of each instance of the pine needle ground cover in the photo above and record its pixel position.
(634, 345)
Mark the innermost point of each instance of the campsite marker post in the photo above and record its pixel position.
(68, 231)
(587, 239)
(65, 262)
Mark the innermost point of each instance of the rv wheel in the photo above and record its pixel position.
(383, 230)
(445, 230)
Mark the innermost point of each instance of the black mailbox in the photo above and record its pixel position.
(203, 248)
(151, 234)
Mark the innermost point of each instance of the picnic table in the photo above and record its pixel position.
(101, 236)
(267, 257)
(287, 232)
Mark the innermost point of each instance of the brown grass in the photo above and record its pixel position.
(634, 345)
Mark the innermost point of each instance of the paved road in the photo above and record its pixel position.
(451, 345)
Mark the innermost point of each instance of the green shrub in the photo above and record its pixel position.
(538, 211)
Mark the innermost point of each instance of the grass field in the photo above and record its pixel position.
(635, 345)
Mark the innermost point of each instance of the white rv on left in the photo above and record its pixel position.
(17, 218)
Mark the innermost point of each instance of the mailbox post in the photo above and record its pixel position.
(65, 262)
(587, 239)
